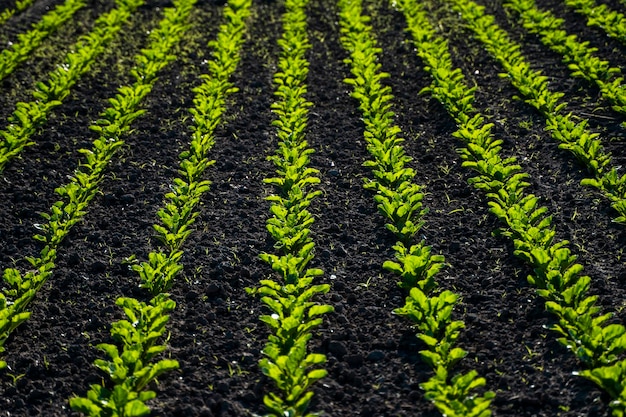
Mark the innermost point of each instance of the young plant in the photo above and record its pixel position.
(611, 21)
(28, 116)
(578, 56)
(400, 201)
(29, 41)
(533, 86)
(20, 6)
(557, 277)
(84, 185)
(294, 315)
(131, 369)
(180, 209)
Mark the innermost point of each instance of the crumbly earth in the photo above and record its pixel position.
(215, 333)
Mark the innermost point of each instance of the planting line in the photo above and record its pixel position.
(27, 117)
(582, 329)
(574, 137)
(400, 201)
(20, 6)
(131, 368)
(29, 41)
(294, 315)
(611, 21)
(577, 55)
(83, 186)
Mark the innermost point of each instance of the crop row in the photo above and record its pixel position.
(132, 368)
(75, 195)
(601, 16)
(576, 137)
(559, 280)
(291, 298)
(20, 6)
(579, 56)
(400, 201)
(29, 41)
(28, 116)
(134, 361)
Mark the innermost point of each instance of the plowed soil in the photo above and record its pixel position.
(215, 333)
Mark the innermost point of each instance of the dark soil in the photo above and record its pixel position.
(215, 332)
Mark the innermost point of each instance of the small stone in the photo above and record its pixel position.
(223, 387)
(337, 348)
(213, 289)
(375, 356)
(127, 199)
(354, 360)
(205, 412)
(98, 267)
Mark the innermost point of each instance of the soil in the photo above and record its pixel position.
(215, 333)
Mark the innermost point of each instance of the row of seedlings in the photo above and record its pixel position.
(601, 16)
(20, 6)
(581, 327)
(28, 116)
(294, 313)
(578, 56)
(27, 42)
(76, 195)
(131, 364)
(533, 86)
(400, 201)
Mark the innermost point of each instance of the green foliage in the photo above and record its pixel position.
(83, 186)
(27, 117)
(417, 266)
(289, 225)
(611, 21)
(556, 275)
(578, 56)
(179, 211)
(294, 313)
(456, 398)
(291, 371)
(433, 318)
(12, 313)
(29, 41)
(533, 86)
(20, 6)
(157, 275)
(400, 201)
(402, 206)
(611, 379)
(130, 368)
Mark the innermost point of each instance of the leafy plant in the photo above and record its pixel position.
(579, 56)
(533, 86)
(75, 198)
(29, 41)
(28, 116)
(294, 315)
(611, 21)
(131, 369)
(20, 6)
(400, 201)
(557, 277)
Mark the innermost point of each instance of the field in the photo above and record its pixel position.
(285, 207)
